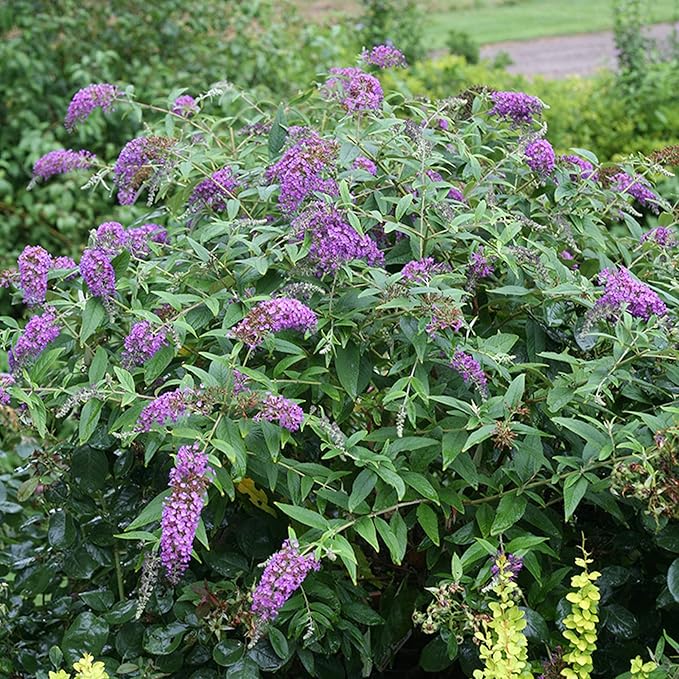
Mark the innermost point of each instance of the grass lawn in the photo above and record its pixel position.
(498, 20)
(492, 21)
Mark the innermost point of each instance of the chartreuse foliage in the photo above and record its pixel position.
(346, 431)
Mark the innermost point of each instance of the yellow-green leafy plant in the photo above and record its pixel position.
(85, 668)
(581, 622)
(504, 647)
(642, 669)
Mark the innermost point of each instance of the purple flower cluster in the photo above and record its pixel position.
(518, 107)
(213, 192)
(6, 380)
(637, 188)
(363, 163)
(274, 315)
(333, 241)
(470, 370)
(506, 566)
(282, 410)
(112, 238)
(662, 236)
(421, 270)
(142, 343)
(189, 479)
(479, 266)
(540, 157)
(61, 161)
(88, 99)
(34, 264)
(453, 193)
(185, 106)
(39, 332)
(167, 407)
(142, 162)
(303, 169)
(240, 383)
(356, 90)
(585, 168)
(444, 317)
(97, 272)
(623, 290)
(283, 575)
(384, 56)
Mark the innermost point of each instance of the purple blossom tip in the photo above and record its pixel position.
(142, 343)
(185, 106)
(470, 370)
(384, 56)
(356, 90)
(97, 272)
(518, 107)
(282, 410)
(62, 161)
(87, 100)
(540, 157)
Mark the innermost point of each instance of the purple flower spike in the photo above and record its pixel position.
(518, 107)
(333, 241)
(142, 344)
(363, 163)
(661, 236)
(637, 188)
(61, 161)
(274, 315)
(470, 370)
(283, 575)
(110, 238)
(39, 332)
(34, 264)
(622, 290)
(384, 56)
(540, 157)
(6, 381)
(168, 407)
(585, 169)
(479, 267)
(139, 238)
(87, 100)
(97, 272)
(213, 192)
(421, 270)
(356, 90)
(185, 106)
(181, 512)
(303, 169)
(282, 410)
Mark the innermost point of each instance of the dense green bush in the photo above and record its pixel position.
(459, 376)
(160, 45)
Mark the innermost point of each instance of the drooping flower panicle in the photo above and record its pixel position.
(283, 575)
(585, 169)
(213, 193)
(622, 290)
(167, 407)
(363, 163)
(384, 56)
(34, 264)
(303, 169)
(143, 343)
(333, 241)
(185, 106)
(274, 315)
(62, 161)
(356, 90)
(470, 370)
(98, 273)
(87, 100)
(6, 380)
(637, 188)
(189, 479)
(282, 410)
(40, 331)
(422, 270)
(540, 157)
(518, 107)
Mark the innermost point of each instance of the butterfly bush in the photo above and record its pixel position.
(384, 56)
(341, 332)
(185, 106)
(87, 100)
(62, 161)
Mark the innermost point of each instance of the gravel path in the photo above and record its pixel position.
(566, 55)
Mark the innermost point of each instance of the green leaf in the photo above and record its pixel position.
(515, 391)
(98, 599)
(366, 529)
(390, 540)
(87, 634)
(304, 516)
(363, 486)
(509, 511)
(164, 639)
(403, 204)
(61, 532)
(434, 656)
(93, 315)
(279, 643)
(89, 419)
(427, 518)
(277, 134)
(419, 483)
(479, 435)
(228, 652)
(673, 579)
(362, 613)
(151, 513)
(347, 361)
(574, 490)
(98, 366)
(393, 479)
